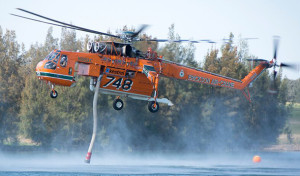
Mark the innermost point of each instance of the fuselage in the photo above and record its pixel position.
(122, 75)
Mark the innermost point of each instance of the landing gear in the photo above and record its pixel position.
(153, 106)
(118, 104)
(53, 94)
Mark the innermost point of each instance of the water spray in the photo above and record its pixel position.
(89, 153)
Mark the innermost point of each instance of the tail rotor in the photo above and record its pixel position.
(274, 65)
(273, 89)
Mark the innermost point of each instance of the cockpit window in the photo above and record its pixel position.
(63, 60)
(53, 56)
(49, 55)
(50, 65)
(56, 58)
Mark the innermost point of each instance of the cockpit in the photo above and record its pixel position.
(55, 69)
(53, 58)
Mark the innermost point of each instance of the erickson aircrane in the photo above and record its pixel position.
(118, 68)
(128, 72)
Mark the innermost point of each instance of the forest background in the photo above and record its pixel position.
(203, 118)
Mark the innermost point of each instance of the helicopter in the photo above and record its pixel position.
(128, 72)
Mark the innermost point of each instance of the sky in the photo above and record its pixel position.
(193, 19)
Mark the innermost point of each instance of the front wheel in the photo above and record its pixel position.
(153, 107)
(53, 94)
(118, 104)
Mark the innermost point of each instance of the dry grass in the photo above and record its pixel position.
(26, 142)
(282, 139)
(294, 124)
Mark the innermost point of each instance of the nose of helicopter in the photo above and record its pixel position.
(39, 67)
(47, 71)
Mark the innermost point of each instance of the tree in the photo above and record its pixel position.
(36, 120)
(11, 84)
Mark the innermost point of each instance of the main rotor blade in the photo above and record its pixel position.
(191, 41)
(166, 40)
(70, 25)
(48, 22)
(44, 22)
(143, 27)
(246, 38)
(264, 60)
(176, 41)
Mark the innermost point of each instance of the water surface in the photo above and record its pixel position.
(281, 163)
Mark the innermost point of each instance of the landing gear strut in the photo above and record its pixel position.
(118, 104)
(153, 106)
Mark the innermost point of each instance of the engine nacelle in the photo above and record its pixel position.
(111, 48)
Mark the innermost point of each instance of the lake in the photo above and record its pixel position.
(273, 163)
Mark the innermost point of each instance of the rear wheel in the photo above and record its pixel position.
(118, 104)
(153, 107)
(53, 94)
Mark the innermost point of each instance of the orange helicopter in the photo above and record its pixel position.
(126, 71)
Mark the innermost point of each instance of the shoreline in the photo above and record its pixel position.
(283, 148)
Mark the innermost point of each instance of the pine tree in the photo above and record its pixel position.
(11, 85)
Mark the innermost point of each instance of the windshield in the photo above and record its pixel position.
(52, 58)
(47, 57)
(56, 58)
(50, 65)
(53, 55)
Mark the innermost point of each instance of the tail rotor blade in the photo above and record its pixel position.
(284, 65)
(274, 75)
(291, 66)
(276, 43)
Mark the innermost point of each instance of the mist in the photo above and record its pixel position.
(225, 130)
(212, 143)
(216, 125)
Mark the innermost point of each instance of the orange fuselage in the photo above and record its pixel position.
(127, 75)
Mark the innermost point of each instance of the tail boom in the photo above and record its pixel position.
(177, 71)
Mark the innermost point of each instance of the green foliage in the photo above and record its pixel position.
(294, 90)
(11, 84)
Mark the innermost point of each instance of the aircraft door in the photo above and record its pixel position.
(76, 72)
